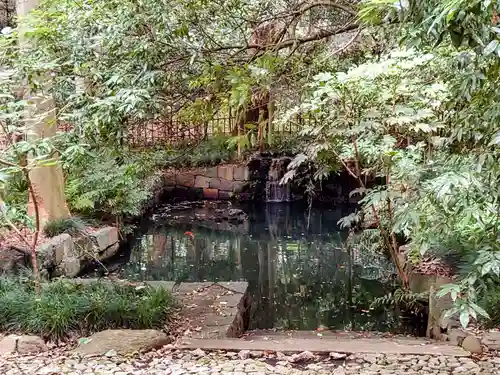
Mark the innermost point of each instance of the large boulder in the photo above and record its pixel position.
(122, 341)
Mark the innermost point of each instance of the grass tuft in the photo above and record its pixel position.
(71, 226)
(66, 309)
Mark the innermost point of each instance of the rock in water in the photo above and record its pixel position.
(122, 341)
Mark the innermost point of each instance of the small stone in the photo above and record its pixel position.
(281, 356)
(302, 357)
(49, 370)
(111, 353)
(472, 345)
(198, 353)
(80, 366)
(256, 354)
(244, 354)
(314, 367)
(337, 356)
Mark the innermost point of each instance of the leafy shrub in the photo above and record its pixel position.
(115, 184)
(72, 226)
(214, 150)
(107, 186)
(491, 302)
(67, 308)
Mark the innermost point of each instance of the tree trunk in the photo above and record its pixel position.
(48, 181)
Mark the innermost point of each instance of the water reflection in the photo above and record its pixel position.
(300, 275)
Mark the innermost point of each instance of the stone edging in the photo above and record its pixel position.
(64, 255)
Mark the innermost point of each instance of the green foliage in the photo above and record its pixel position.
(434, 145)
(491, 300)
(400, 298)
(212, 151)
(72, 226)
(107, 186)
(66, 308)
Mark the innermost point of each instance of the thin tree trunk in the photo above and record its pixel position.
(47, 181)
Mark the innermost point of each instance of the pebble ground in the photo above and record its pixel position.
(166, 362)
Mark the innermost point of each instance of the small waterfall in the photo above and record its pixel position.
(276, 192)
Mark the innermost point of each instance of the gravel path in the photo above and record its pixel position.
(165, 362)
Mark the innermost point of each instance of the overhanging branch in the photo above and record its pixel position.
(289, 42)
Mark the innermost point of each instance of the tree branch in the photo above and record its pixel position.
(289, 42)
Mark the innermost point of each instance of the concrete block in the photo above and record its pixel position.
(211, 172)
(202, 182)
(169, 179)
(105, 238)
(241, 173)
(211, 194)
(221, 184)
(52, 252)
(225, 195)
(225, 172)
(185, 179)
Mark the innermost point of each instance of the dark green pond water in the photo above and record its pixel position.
(300, 275)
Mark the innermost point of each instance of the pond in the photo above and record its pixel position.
(300, 274)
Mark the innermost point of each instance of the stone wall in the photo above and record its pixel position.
(247, 182)
(64, 255)
(224, 182)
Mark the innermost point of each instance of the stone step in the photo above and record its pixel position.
(351, 346)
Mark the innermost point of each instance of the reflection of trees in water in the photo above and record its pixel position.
(296, 283)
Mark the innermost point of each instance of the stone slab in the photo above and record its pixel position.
(169, 179)
(202, 182)
(212, 194)
(123, 341)
(350, 346)
(105, 238)
(24, 344)
(238, 287)
(185, 179)
(221, 184)
(226, 195)
(225, 172)
(212, 310)
(492, 340)
(241, 173)
(210, 172)
(52, 252)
